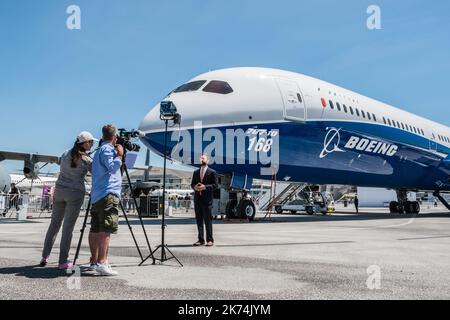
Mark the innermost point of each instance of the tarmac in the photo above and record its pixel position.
(372, 255)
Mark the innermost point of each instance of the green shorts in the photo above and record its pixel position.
(105, 215)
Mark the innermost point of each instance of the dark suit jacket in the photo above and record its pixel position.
(210, 181)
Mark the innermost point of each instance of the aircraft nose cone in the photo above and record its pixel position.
(152, 129)
(151, 121)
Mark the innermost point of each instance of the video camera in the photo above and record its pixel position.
(124, 139)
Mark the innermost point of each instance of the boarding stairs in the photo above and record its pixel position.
(280, 193)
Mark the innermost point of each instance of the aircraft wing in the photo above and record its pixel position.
(35, 158)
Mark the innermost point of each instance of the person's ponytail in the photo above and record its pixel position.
(76, 154)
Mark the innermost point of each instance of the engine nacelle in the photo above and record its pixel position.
(30, 170)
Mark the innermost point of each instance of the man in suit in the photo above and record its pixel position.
(204, 182)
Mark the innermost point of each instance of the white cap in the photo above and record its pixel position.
(85, 136)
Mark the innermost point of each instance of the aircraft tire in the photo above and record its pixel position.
(394, 207)
(416, 207)
(248, 210)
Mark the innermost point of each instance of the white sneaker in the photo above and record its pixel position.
(105, 270)
(93, 267)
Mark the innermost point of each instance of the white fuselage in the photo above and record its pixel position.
(327, 134)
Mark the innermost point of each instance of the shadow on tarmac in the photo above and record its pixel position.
(34, 272)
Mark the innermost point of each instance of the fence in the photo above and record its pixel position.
(40, 206)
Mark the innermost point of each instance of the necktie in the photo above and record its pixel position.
(202, 174)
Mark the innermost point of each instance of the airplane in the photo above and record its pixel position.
(22, 183)
(30, 171)
(326, 134)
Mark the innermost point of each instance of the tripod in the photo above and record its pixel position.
(163, 247)
(89, 207)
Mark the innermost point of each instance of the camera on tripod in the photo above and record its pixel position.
(168, 111)
(124, 139)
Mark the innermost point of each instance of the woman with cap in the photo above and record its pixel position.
(68, 198)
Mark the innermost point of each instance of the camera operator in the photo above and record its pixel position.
(105, 197)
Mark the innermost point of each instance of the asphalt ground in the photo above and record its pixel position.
(373, 255)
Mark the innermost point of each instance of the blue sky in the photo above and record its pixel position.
(55, 82)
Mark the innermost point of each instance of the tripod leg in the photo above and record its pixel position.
(167, 248)
(131, 230)
(138, 209)
(82, 231)
(148, 257)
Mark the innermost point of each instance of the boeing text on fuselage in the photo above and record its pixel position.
(333, 138)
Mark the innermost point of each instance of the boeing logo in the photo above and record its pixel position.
(333, 138)
(331, 142)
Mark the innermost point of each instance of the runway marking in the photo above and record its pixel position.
(410, 221)
(423, 238)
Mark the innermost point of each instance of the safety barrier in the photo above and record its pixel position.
(41, 206)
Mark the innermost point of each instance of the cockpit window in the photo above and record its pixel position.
(190, 86)
(216, 86)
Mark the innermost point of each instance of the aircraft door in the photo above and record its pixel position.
(293, 100)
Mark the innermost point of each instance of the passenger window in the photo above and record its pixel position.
(357, 112)
(374, 117)
(363, 114)
(345, 108)
(351, 110)
(368, 116)
(389, 121)
(338, 106)
(384, 120)
(331, 104)
(216, 86)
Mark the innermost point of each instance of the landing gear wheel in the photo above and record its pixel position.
(247, 210)
(409, 207)
(310, 211)
(229, 209)
(279, 209)
(416, 207)
(293, 211)
(394, 207)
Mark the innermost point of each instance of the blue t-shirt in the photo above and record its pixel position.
(106, 175)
